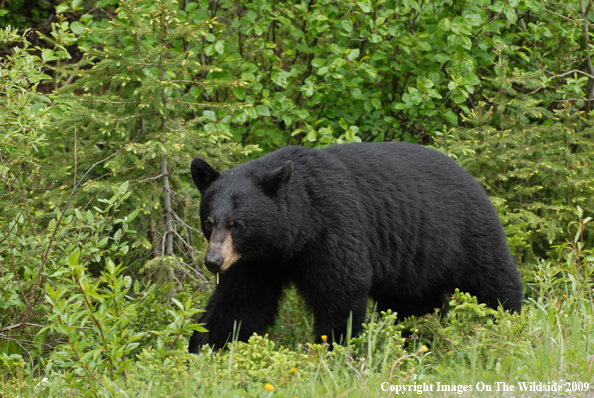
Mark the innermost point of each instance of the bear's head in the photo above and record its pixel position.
(241, 212)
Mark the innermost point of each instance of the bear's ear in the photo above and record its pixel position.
(203, 174)
(275, 179)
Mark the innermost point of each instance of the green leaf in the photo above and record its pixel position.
(178, 303)
(47, 55)
(123, 188)
(251, 16)
(346, 25)
(451, 117)
(364, 6)
(444, 24)
(62, 8)
(239, 92)
(498, 6)
(335, 48)
(220, 47)
(195, 92)
(511, 15)
(356, 93)
(132, 215)
(210, 115)
(370, 70)
(441, 57)
(318, 62)
(353, 54)
(74, 257)
(263, 110)
(376, 102)
(77, 28)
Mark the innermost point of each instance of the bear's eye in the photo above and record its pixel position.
(209, 225)
(235, 225)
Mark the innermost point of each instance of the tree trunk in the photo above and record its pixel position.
(154, 239)
(167, 207)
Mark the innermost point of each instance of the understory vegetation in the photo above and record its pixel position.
(104, 103)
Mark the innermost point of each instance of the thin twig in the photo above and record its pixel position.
(184, 224)
(75, 156)
(591, 76)
(150, 178)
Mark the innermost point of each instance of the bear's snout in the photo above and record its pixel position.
(221, 253)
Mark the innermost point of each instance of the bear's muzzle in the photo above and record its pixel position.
(221, 252)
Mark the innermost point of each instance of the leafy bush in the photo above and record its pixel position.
(132, 106)
(261, 360)
(96, 314)
(537, 173)
(27, 244)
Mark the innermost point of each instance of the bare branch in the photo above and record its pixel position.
(591, 76)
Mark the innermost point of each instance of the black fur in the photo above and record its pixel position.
(401, 223)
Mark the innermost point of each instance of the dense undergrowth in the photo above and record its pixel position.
(467, 347)
(548, 342)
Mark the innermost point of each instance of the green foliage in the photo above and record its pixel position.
(329, 71)
(261, 360)
(77, 254)
(332, 72)
(23, 110)
(97, 314)
(539, 172)
(24, 246)
(479, 77)
(134, 111)
(474, 332)
(294, 323)
(24, 14)
(555, 282)
(379, 339)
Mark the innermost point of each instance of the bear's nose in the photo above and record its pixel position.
(213, 261)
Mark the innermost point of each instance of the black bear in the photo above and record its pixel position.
(401, 223)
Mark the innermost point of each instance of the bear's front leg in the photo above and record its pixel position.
(335, 298)
(241, 304)
(332, 318)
